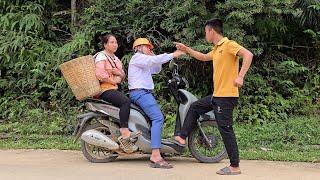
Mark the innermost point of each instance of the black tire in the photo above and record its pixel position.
(196, 141)
(97, 154)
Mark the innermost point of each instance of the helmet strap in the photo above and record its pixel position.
(139, 49)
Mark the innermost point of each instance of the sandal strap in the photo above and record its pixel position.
(134, 134)
(126, 145)
(162, 164)
(226, 170)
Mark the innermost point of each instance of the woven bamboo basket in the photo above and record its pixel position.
(80, 76)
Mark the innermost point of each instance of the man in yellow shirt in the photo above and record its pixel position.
(227, 80)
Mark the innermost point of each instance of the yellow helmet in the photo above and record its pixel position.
(141, 41)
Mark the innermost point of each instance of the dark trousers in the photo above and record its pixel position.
(121, 101)
(223, 109)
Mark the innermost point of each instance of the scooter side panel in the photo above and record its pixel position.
(136, 119)
(107, 109)
(183, 108)
(145, 146)
(136, 122)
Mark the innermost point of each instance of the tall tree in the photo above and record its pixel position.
(73, 15)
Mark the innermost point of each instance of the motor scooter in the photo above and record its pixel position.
(99, 128)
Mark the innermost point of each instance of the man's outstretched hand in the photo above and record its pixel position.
(181, 47)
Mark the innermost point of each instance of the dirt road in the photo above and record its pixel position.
(60, 165)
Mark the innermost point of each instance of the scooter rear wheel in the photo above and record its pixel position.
(94, 153)
(207, 152)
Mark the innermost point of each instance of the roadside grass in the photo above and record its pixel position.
(296, 139)
(35, 141)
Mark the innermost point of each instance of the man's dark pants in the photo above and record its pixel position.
(223, 110)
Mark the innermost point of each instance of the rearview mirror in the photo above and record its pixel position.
(173, 65)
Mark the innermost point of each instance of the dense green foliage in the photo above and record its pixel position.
(35, 38)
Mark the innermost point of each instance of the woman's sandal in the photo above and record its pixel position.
(178, 143)
(227, 171)
(125, 143)
(134, 134)
(161, 164)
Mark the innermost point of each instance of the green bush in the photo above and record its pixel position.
(35, 39)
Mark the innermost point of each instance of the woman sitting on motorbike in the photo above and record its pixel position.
(110, 73)
(143, 64)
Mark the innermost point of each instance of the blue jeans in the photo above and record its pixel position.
(149, 105)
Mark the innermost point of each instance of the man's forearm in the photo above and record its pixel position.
(245, 65)
(196, 54)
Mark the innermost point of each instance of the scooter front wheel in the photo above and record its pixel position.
(206, 144)
(94, 153)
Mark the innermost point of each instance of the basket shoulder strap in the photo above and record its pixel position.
(112, 63)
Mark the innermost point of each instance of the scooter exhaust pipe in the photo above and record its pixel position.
(97, 138)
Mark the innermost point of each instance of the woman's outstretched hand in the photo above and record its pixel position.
(178, 53)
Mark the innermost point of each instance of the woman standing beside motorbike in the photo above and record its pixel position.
(110, 73)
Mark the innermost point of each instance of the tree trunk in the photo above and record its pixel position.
(73, 15)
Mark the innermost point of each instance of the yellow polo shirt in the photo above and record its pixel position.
(226, 68)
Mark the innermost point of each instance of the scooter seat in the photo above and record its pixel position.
(98, 101)
(132, 106)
